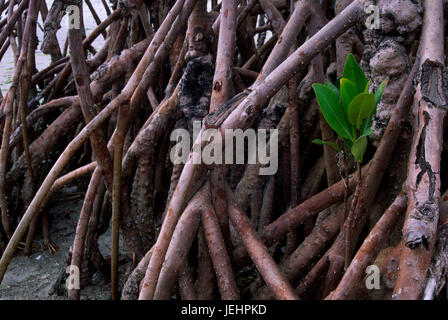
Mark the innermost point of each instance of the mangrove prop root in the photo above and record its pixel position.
(109, 120)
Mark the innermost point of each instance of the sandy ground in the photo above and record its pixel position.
(34, 277)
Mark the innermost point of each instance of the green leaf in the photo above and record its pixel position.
(349, 143)
(361, 107)
(332, 112)
(354, 73)
(332, 87)
(367, 86)
(366, 128)
(359, 148)
(348, 92)
(380, 91)
(331, 144)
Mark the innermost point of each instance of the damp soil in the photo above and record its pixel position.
(35, 277)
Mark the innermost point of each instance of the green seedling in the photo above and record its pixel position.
(348, 111)
(349, 108)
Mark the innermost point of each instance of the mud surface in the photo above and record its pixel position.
(34, 277)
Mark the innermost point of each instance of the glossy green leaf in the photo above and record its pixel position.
(359, 148)
(354, 73)
(332, 112)
(349, 143)
(332, 87)
(361, 107)
(331, 144)
(380, 91)
(366, 89)
(348, 92)
(366, 128)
